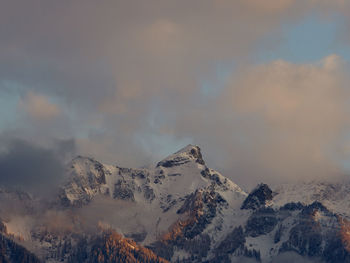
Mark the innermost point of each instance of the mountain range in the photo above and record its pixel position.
(178, 210)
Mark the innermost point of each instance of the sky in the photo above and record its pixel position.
(261, 86)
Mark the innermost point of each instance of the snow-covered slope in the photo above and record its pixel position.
(334, 195)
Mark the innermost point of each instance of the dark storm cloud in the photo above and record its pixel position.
(32, 167)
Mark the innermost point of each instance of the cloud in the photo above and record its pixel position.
(128, 74)
(269, 6)
(96, 51)
(39, 107)
(276, 122)
(298, 113)
(32, 167)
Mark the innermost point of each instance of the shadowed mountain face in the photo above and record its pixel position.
(112, 247)
(10, 251)
(180, 210)
(258, 197)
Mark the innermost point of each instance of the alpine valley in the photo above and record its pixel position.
(180, 210)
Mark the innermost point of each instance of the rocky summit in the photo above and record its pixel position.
(179, 210)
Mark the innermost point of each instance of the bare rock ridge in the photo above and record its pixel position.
(183, 156)
(258, 197)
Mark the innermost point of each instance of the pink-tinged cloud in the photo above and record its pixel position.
(39, 107)
(275, 122)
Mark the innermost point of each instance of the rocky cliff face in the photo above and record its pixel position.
(259, 197)
(111, 247)
(180, 210)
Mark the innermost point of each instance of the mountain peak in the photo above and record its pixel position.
(185, 155)
(188, 148)
(193, 151)
(258, 197)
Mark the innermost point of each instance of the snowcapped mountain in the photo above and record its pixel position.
(173, 178)
(159, 192)
(180, 210)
